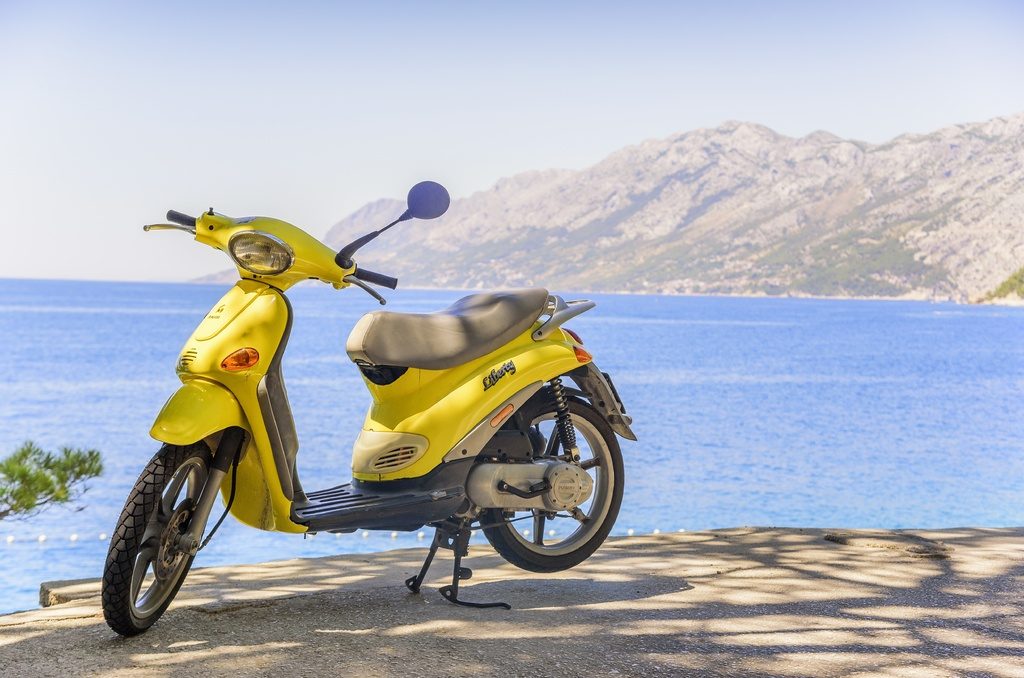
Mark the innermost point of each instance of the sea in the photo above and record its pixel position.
(748, 411)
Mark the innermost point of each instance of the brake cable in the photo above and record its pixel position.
(231, 500)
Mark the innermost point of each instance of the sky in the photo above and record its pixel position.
(112, 113)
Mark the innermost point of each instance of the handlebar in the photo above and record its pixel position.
(179, 218)
(360, 274)
(376, 278)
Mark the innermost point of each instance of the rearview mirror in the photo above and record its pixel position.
(426, 200)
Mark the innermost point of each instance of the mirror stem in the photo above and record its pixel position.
(344, 257)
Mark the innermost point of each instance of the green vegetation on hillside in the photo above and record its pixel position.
(31, 479)
(1012, 285)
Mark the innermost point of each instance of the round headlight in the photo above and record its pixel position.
(260, 253)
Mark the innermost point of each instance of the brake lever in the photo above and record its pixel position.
(352, 280)
(168, 227)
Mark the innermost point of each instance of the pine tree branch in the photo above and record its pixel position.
(31, 479)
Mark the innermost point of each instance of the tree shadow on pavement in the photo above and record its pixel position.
(732, 602)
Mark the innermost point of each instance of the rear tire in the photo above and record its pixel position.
(511, 546)
(139, 541)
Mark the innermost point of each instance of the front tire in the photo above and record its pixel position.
(600, 455)
(144, 570)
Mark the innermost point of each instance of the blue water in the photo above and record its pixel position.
(749, 411)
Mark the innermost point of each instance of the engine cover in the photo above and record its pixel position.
(570, 485)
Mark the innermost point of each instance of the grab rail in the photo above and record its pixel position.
(560, 311)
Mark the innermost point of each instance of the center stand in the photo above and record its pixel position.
(454, 537)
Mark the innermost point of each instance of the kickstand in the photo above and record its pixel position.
(454, 537)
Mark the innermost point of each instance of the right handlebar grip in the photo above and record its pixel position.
(376, 278)
(179, 218)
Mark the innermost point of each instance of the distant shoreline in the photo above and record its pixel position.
(1006, 302)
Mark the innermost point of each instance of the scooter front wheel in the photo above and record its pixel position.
(145, 566)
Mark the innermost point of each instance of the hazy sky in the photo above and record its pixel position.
(113, 113)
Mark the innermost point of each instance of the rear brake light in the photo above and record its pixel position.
(572, 334)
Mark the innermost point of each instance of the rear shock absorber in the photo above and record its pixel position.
(566, 432)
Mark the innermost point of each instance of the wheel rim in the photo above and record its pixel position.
(570, 532)
(159, 566)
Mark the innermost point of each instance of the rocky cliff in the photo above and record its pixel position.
(737, 209)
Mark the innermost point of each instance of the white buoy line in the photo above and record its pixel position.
(420, 536)
(42, 538)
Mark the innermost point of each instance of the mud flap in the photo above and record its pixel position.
(602, 394)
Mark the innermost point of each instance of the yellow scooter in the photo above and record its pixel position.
(470, 426)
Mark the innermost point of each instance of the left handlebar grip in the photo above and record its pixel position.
(376, 278)
(179, 218)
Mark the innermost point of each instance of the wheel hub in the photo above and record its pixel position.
(170, 554)
(570, 487)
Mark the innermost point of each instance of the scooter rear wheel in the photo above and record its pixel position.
(538, 550)
(144, 569)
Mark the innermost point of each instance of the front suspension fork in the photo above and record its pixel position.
(228, 449)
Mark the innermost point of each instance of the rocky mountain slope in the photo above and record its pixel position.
(737, 209)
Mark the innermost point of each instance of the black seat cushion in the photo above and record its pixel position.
(471, 327)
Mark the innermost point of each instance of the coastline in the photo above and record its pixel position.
(1010, 302)
(1005, 302)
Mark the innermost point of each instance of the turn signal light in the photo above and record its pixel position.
(500, 417)
(582, 354)
(242, 359)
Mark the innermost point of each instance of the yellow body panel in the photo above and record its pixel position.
(443, 405)
(251, 314)
(439, 405)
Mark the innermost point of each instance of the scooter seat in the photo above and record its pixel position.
(471, 327)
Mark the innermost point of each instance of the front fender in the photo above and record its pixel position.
(196, 410)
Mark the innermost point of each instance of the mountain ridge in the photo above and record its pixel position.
(735, 209)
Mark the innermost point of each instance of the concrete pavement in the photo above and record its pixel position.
(746, 601)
